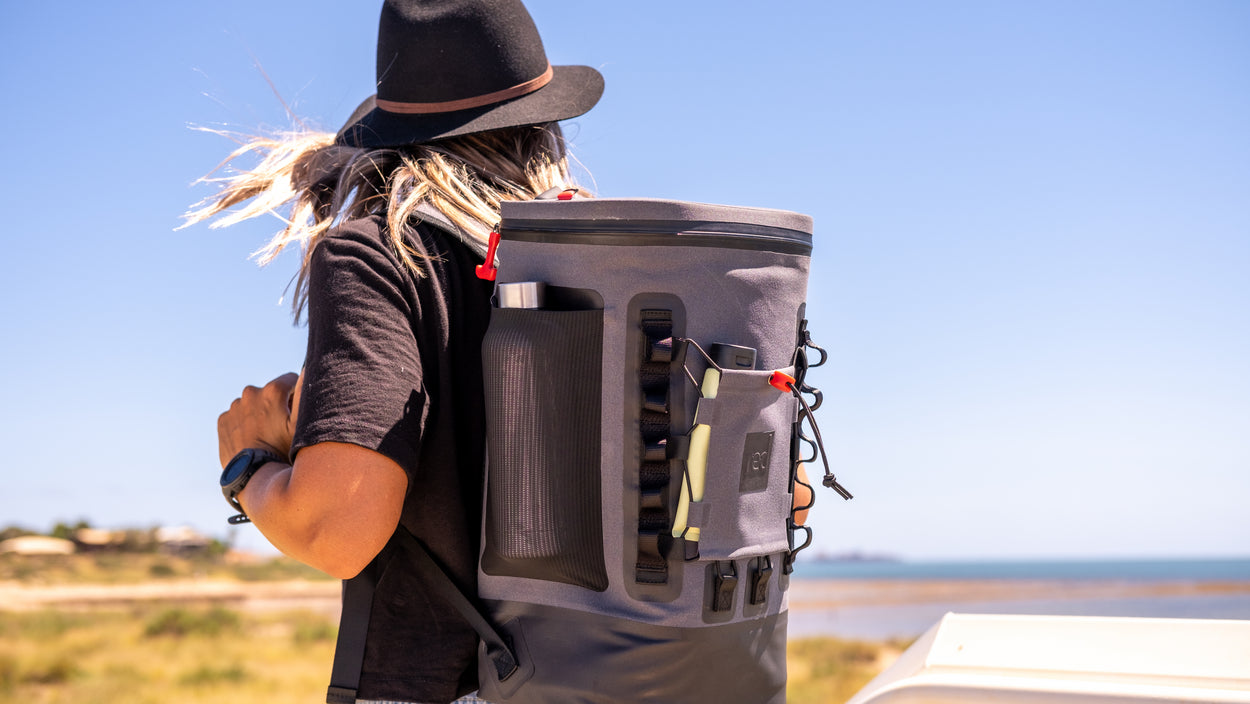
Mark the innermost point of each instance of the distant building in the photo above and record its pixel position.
(172, 540)
(181, 540)
(103, 540)
(37, 545)
(97, 539)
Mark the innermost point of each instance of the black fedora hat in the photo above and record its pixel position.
(455, 67)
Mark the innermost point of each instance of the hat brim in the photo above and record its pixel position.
(571, 92)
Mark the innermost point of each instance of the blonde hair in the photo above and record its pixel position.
(465, 178)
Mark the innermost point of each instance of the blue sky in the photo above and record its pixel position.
(1031, 261)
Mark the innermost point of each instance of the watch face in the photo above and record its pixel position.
(236, 468)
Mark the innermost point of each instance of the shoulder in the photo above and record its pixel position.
(360, 239)
(357, 264)
(369, 239)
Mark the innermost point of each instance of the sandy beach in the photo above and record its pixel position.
(320, 597)
(880, 610)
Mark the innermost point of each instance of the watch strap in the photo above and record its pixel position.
(256, 458)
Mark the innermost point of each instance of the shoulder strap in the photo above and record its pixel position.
(432, 215)
(349, 651)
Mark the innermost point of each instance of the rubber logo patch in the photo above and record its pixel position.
(755, 460)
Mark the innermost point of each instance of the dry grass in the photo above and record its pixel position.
(210, 654)
(831, 670)
(162, 655)
(135, 568)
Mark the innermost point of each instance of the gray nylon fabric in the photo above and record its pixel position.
(591, 658)
(429, 213)
(746, 524)
(747, 297)
(696, 517)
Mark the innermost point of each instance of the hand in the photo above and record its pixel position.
(802, 496)
(261, 418)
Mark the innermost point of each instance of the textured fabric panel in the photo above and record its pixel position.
(566, 656)
(543, 517)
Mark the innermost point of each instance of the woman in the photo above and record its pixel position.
(384, 426)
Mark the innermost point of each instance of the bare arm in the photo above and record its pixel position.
(335, 508)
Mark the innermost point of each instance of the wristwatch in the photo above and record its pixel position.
(238, 472)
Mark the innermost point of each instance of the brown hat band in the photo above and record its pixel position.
(465, 103)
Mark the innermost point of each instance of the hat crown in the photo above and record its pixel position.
(434, 51)
(455, 67)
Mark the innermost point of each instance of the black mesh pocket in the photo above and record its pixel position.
(543, 397)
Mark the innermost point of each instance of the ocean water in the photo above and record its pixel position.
(878, 622)
(1206, 570)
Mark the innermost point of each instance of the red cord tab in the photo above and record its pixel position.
(567, 194)
(487, 271)
(781, 381)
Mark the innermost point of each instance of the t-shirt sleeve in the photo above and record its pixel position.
(362, 373)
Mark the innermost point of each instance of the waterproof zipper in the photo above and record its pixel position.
(664, 234)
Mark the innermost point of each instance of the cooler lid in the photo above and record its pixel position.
(656, 222)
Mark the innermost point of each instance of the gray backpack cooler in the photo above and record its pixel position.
(643, 374)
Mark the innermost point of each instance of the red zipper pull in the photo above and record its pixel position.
(487, 271)
(782, 381)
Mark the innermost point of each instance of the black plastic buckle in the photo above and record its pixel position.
(759, 581)
(724, 584)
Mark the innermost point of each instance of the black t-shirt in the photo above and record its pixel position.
(394, 365)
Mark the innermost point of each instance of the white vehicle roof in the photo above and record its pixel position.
(1034, 659)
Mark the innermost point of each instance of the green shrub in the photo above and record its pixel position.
(315, 631)
(829, 669)
(278, 568)
(58, 671)
(183, 622)
(38, 625)
(162, 569)
(8, 673)
(209, 675)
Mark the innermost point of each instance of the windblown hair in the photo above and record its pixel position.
(465, 178)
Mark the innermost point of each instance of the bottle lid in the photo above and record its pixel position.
(521, 294)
